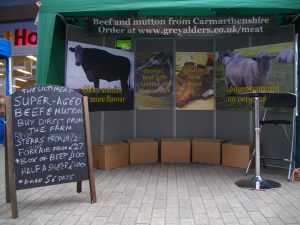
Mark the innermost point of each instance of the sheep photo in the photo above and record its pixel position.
(261, 68)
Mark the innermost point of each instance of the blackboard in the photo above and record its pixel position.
(48, 140)
(48, 136)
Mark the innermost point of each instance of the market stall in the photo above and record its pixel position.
(61, 24)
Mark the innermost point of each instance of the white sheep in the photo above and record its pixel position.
(246, 72)
(286, 56)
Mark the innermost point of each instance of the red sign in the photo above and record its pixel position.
(21, 37)
(24, 37)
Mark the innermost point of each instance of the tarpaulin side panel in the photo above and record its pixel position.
(57, 69)
(45, 46)
(5, 53)
(5, 50)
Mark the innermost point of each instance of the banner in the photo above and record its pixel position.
(105, 75)
(179, 26)
(265, 68)
(154, 80)
(194, 80)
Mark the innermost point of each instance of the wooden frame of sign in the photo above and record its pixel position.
(48, 140)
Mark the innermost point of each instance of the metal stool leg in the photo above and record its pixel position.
(292, 154)
(250, 161)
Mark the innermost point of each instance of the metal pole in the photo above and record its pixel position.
(8, 77)
(174, 93)
(102, 127)
(257, 139)
(292, 163)
(134, 105)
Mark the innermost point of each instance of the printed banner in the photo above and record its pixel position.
(154, 80)
(266, 68)
(179, 26)
(105, 75)
(194, 80)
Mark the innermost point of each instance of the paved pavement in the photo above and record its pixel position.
(158, 194)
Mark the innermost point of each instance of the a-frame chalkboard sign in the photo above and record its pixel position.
(48, 140)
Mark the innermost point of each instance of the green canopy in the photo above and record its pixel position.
(176, 6)
(51, 29)
(52, 47)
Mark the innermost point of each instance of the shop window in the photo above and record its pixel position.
(23, 72)
(2, 76)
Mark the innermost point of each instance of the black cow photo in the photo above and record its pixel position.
(104, 74)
